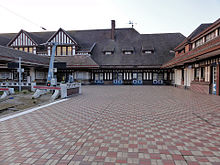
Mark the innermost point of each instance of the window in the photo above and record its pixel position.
(21, 49)
(128, 52)
(134, 76)
(148, 51)
(63, 50)
(108, 53)
(96, 76)
(39, 75)
(165, 76)
(196, 74)
(69, 50)
(58, 53)
(140, 76)
(31, 50)
(210, 36)
(5, 75)
(199, 42)
(26, 49)
(203, 73)
(101, 76)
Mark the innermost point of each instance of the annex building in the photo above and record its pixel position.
(118, 56)
(197, 59)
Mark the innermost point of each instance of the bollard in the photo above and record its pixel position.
(55, 95)
(5, 94)
(38, 93)
(80, 88)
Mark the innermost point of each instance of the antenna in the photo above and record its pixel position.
(132, 23)
(24, 18)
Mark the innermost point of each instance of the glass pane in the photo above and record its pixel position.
(139, 76)
(120, 76)
(63, 50)
(69, 50)
(31, 50)
(101, 76)
(134, 75)
(58, 50)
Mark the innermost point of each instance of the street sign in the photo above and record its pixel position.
(13, 65)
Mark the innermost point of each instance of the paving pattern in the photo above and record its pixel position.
(117, 125)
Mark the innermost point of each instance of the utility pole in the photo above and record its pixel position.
(19, 72)
(50, 76)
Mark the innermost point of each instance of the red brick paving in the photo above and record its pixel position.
(117, 125)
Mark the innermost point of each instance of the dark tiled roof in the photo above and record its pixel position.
(79, 61)
(86, 38)
(9, 54)
(124, 38)
(162, 44)
(41, 37)
(199, 29)
(5, 38)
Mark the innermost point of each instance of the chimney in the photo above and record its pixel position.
(113, 30)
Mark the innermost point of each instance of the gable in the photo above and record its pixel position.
(22, 39)
(61, 37)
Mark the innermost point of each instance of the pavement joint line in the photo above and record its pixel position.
(30, 110)
(205, 120)
(96, 119)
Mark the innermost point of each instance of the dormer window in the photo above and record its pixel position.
(108, 50)
(147, 49)
(128, 50)
(108, 53)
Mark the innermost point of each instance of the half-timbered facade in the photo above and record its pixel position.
(104, 56)
(23, 42)
(197, 60)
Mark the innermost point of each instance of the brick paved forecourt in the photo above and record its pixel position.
(117, 125)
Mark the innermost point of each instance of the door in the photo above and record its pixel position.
(118, 78)
(214, 80)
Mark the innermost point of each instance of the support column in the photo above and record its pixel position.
(208, 73)
(34, 50)
(217, 81)
(32, 74)
(48, 50)
(74, 50)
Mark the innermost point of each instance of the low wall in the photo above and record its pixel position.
(200, 87)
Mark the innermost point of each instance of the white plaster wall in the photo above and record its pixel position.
(178, 75)
(189, 76)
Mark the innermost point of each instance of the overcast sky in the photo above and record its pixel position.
(149, 16)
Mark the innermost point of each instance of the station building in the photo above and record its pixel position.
(103, 56)
(197, 59)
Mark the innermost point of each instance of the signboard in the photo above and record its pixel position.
(13, 65)
(60, 65)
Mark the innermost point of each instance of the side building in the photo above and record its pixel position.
(104, 56)
(197, 60)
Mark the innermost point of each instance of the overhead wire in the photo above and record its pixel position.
(22, 17)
